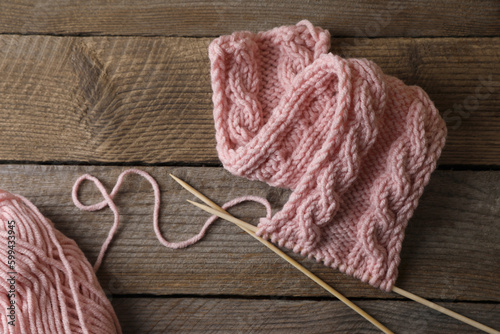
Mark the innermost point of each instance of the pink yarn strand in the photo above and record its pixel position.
(108, 201)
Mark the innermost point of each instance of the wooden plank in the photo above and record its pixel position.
(138, 99)
(451, 250)
(207, 18)
(211, 315)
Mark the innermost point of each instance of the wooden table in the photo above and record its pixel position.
(101, 86)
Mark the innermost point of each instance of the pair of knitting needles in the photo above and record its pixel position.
(214, 209)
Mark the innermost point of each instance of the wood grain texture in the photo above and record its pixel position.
(211, 315)
(148, 99)
(210, 18)
(124, 82)
(451, 250)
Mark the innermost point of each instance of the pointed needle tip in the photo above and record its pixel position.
(181, 182)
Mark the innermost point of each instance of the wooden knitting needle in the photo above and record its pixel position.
(395, 289)
(294, 263)
(250, 229)
(444, 310)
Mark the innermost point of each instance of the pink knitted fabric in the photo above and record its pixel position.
(356, 146)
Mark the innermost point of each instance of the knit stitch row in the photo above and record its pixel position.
(356, 146)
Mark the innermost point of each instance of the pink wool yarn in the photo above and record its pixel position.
(108, 201)
(47, 285)
(356, 146)
(50, 287)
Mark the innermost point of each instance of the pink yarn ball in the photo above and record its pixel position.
(47, 285)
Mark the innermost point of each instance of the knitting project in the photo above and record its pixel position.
(356, 146)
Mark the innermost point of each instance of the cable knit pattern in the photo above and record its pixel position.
(356, 146)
